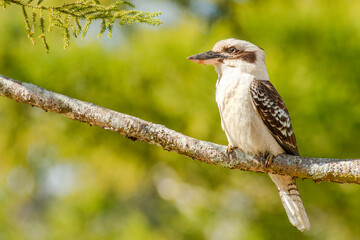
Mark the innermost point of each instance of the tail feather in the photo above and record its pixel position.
(291, 200)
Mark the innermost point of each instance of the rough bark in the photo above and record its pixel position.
(317, 169)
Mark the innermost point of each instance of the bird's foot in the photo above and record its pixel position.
(230, 150)
(269, 160)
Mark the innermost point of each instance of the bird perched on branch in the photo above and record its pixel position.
(253, 115)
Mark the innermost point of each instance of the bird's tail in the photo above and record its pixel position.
(291, 200)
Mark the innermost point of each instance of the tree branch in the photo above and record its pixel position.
(317, 169)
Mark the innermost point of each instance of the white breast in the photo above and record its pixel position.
(243, 126)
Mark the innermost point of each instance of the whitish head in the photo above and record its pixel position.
(233, 54)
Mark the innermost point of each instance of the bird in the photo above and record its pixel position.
(253, 114)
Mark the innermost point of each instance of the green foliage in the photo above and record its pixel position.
(60, 179)
(67, 17)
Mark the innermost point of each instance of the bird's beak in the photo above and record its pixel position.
(207, 58)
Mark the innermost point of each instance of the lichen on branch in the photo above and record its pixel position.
(68, 17)
(317, 169)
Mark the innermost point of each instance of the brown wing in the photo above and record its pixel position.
(272, 110)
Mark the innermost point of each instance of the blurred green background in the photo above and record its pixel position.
(61, 179)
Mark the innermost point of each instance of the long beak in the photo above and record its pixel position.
(207, 58)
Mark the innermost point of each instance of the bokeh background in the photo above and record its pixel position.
(61, 179)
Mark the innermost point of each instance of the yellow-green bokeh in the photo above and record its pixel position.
(61, 179)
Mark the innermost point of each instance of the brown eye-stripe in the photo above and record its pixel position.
(246, 56)
(249, 56)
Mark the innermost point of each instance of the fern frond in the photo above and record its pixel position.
(27, 26)
(86, 28)
(33, 21)
(42, 28)
(67, 17)
(66, 32)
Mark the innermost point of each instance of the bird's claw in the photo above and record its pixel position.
(269, 160)
(230, 150)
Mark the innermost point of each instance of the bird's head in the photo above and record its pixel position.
(233, 54)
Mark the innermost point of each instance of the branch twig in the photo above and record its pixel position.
(317, 169)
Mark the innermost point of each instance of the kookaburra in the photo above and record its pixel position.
(253, 115)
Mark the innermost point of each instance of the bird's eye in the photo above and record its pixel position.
(231, 50)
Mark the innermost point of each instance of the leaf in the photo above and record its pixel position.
(42, 27)
(102, 28)
(68, 16)
(27, 26)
